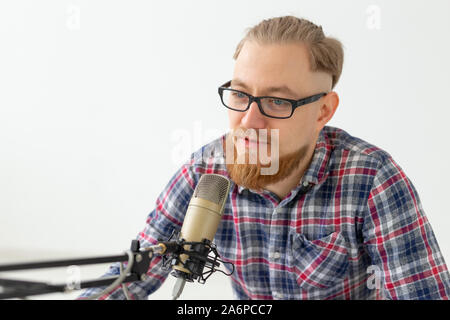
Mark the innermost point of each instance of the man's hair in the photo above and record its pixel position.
(325, 53)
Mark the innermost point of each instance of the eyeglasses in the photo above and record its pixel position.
(272, 107)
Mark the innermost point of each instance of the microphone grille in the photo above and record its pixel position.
(213, 187)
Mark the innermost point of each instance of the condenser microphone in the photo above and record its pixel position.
(199, 227)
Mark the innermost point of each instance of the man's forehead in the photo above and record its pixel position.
(274, 66)
(278, 88)
(280, 68)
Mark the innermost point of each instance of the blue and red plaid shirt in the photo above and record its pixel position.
(353, 228)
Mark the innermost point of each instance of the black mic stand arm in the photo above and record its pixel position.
(138, 264)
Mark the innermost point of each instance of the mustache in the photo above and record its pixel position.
(253, 135)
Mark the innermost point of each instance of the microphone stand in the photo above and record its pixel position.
(138, 265)
(140, 261)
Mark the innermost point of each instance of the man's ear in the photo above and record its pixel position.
(327, 109)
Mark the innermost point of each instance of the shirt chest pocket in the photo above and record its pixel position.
(318, 264)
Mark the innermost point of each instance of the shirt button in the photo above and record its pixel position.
(305, 183)
(278, 295)
(276, 255)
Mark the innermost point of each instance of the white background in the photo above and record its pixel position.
(100, 101)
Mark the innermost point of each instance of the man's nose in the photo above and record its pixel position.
(253, 118)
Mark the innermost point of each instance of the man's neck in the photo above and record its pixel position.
(285, 186)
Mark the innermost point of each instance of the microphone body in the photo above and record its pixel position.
(201, 222)
(200, 225)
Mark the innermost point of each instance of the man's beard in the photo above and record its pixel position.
(249, 174)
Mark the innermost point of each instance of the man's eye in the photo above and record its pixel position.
(278, 102)
(239, 94)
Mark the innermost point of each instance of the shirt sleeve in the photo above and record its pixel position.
(399, 240)
(166, 217)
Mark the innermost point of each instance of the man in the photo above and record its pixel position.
(332, 217)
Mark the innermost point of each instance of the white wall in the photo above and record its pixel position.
(94, 93)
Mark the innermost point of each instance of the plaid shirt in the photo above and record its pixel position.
(353, 228)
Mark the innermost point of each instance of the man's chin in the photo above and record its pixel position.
(247, 175)
(254, 176)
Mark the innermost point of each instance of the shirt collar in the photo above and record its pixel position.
(317, 170)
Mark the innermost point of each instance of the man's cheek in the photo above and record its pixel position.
(233, 119)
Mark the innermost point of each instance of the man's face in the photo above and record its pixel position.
(259, 67)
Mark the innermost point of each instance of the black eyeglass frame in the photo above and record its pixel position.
(294, 103)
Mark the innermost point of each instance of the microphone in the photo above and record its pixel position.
(202, 219)
(189, 253)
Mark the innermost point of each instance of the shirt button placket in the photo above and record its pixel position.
(275, 255)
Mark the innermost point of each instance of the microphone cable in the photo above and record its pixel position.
(124, 286)
(118, 281)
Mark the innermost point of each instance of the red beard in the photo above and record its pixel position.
(249, 175)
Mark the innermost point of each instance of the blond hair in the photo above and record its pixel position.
(325, 53)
